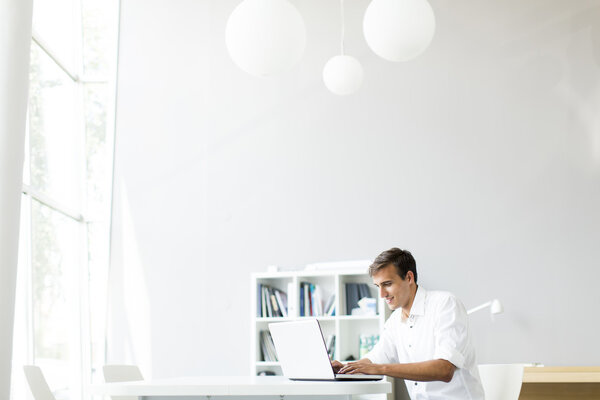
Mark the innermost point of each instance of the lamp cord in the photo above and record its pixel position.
(343, 26)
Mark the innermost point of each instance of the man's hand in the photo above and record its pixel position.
(363, 366)
(336, 366)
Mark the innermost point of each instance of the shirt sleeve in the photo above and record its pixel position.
(384, 352)
(451, 332)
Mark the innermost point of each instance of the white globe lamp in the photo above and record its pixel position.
(343, 75)
(399, 30)
(265, 37)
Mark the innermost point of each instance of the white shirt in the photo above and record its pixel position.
(437, 328)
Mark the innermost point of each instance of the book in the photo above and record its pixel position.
(259, 300)
(306, 291)
(301, 299)
(313, 302)
(329, 307)
(275, 306)
(263, 301)
(310, 299)
(268, 301)
(267, 347)
(281, 302)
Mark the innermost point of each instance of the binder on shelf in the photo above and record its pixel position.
(355, 292)
(363, 291)
(351, 297)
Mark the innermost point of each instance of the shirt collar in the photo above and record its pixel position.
(418, 305)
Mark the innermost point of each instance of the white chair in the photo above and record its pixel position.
(122, 373)
(37, 383)
(501, 381)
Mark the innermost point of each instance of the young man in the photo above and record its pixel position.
(426, 341)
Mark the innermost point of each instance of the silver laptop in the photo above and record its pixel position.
(302, 353)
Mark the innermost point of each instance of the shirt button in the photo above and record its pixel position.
(410, 345)
(415, 383)
(411, 326)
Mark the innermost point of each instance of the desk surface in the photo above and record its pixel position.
(238, 386)
(561, 375)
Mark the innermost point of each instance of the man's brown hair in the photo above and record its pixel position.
(401, 259)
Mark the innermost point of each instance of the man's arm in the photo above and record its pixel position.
(432, 370)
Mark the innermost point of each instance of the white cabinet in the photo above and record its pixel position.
(346, 328)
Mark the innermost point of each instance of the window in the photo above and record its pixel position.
(65, 213)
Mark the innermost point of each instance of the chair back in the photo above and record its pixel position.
(122, 373)
(501, 381)
(37, 383)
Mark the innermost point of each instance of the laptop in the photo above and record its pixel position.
(302, 353)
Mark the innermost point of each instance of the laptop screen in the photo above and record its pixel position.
(301, 350)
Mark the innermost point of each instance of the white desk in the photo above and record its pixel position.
(240, 387)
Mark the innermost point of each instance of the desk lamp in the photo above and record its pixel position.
(494, 305)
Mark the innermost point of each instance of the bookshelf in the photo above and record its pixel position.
(327, 284)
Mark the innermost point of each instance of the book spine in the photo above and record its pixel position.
(263, 301)
(258, 300)
(279, 295)
(311, 289)
(263, 347)
(302, 299)
(275, 306)
(271, 347)
(268, 301)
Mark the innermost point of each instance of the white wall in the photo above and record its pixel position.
(482, 157)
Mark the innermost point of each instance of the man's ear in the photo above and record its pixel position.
(410, 275)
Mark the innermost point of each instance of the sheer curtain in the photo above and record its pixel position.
(15, 39)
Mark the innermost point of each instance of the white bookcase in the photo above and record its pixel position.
(346, 328)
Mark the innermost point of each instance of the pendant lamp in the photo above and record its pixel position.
(399, 30)
(265, 37)
(342, 74)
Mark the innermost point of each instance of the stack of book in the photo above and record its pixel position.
(267, 347)
(311, 301)
(355, 292)
(271, 302)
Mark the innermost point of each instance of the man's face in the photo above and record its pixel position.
(395, 290)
